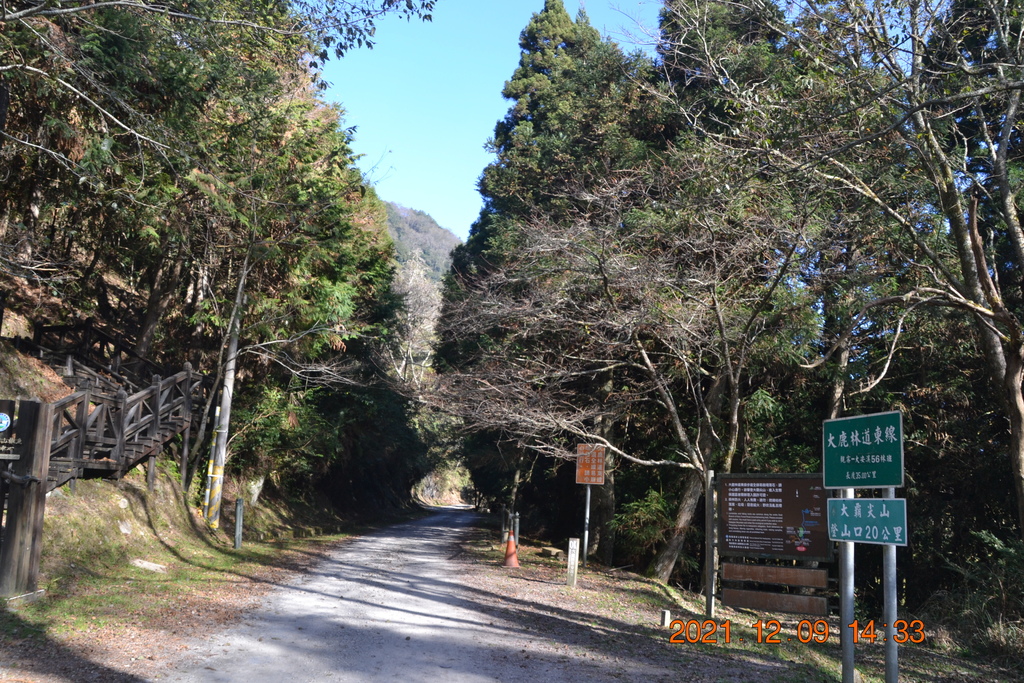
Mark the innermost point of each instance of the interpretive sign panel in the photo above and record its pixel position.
(590, 463)
(865, 451)
(773, 515)
(868, 520)
(14, 430)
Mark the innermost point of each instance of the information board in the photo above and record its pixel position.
(14, 429)
(773, 515)
(590, 463)
(865, 451)
(868, 520)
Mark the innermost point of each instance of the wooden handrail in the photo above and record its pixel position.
(118, 432)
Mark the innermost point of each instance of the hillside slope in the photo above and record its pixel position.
(415, 231)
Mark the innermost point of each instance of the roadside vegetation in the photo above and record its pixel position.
(790, 212)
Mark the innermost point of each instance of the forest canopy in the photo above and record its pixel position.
(172, 172)
(788, 214)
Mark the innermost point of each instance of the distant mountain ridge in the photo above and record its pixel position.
(415, 231)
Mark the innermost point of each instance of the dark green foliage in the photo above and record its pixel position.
(157, 164)
(642, 526)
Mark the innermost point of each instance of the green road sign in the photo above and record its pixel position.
(865, 451)
(868, 520)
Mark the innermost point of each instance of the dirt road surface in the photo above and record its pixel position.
(391, 606)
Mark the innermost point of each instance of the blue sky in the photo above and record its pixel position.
(425, 99)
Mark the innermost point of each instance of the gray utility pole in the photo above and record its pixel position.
(586, 526)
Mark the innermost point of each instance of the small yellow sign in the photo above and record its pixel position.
(590, 463)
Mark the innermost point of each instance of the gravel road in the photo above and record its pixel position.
(387, 606)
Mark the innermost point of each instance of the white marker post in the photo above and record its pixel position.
(574, 561)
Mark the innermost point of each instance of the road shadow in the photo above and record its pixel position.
(26, 652)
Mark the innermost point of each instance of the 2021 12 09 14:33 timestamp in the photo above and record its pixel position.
(807, 631)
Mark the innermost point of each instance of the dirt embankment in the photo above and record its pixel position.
(23, 376)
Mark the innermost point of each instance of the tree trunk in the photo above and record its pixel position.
(227, 393)
(165, 282)
(693, 487)
(603, 539)
(1015, 411)
(838, 389)
(515, 483)
(663, 564)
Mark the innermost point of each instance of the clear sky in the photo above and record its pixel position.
(425, 99)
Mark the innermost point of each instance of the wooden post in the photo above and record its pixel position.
(117, 423)
(22, 544)
(156, 406)
(710, 536)
(77, 450)
(188, 427)
(151, 474)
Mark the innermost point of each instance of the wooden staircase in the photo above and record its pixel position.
(97, 434)
(116, 420)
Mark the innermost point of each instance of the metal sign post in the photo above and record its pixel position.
(589, 471)
(892, 653)
(846, 603)
(586, 526)
(866, 451)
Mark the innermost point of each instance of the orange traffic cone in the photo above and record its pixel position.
(511, 558)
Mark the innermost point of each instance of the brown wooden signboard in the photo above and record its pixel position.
(776, 602)
(773, 516)
(783, 576)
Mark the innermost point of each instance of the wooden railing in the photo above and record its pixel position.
(95, 347)
(96, 434)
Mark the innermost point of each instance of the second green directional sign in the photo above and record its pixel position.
(865, 451)
(868, 520)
